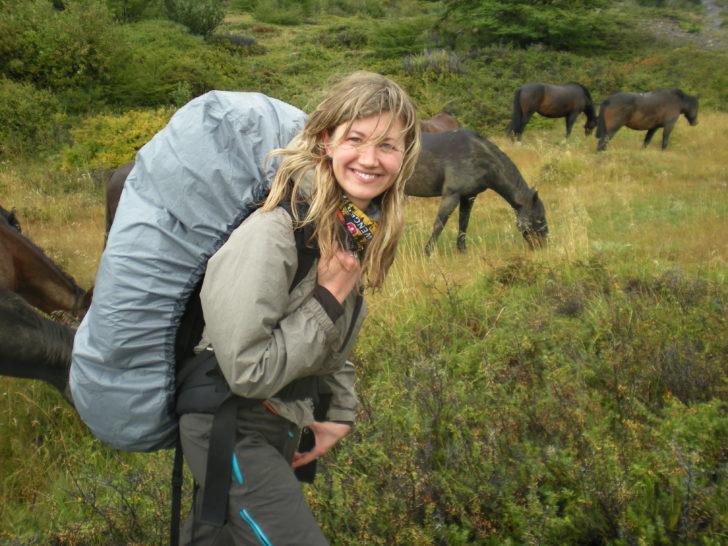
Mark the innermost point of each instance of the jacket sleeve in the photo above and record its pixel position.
(260, 343)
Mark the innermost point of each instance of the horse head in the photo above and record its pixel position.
(531, 222)
(690, 109)
(590, 125)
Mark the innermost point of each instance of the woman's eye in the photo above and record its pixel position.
(386, 147)
(354, 140)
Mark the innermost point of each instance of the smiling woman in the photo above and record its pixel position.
(366, 156)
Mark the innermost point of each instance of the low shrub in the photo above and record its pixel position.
(201, 17)
(30, 119)
(106, 141)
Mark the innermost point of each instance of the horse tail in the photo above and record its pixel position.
(601, 124)
(514, 126)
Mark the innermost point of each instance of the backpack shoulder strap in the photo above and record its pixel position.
(307, 249)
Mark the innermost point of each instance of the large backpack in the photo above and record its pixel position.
(190, 187)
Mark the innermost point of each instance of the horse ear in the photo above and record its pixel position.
(535, 195)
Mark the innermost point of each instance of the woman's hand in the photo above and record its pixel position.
(339, 274)
(326, 435)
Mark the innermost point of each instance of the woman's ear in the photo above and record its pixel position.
(325, 142)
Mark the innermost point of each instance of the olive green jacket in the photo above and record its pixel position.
(265, 337)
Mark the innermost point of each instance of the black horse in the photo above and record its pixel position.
(457, 166)
(645, 111)
(33, 347)
(552, 101)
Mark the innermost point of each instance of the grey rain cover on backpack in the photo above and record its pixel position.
(191, 185)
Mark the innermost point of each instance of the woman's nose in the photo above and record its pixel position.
(368, 155)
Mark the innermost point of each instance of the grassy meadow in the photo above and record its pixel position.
(498, 338)
(570, 395)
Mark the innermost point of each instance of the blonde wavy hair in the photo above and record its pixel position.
(358, 95)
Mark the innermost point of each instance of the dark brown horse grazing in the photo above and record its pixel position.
(442, 121)
(27, 271)
(457, 166)
(10, 218)
(645, 111)
(33, 347)
(551, 101)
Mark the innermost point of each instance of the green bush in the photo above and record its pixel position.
(129, 11)
(57, 50)
(30, 119)
(559, 24)
(106, 141)
(532, 408)
(157, 58)
(201, 17)
(403, 37)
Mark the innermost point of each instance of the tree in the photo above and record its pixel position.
(558, 24)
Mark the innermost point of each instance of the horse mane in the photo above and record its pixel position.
(519, 183)
(10, 218)
(50, 262)
(586, 91)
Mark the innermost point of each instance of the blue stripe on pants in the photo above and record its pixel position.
(254, 526)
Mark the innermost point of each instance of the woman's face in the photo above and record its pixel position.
(365, 165)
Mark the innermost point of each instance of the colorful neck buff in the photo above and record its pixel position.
(360, 226)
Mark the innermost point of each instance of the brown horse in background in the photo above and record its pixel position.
(551, 101)
(440, 122)
(27, 271)
(645, 111)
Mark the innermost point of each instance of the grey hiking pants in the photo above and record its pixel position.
(265, 504)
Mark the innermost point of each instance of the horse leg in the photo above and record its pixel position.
(447, 205)
(666, 133)
(526, 118)
(570, 120)
(466, 205)
(648, 136)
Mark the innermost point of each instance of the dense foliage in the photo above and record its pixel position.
(572, 25)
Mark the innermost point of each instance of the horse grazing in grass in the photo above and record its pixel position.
(10, 218)
(457, 166)
(645, 111)
(33, 347)
(551, 101)
(27, 271)
(440, 122)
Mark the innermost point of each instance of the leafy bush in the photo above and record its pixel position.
(202, 17)
(30, 119)
(502, 419)
(559, 24)
(129, 11)
(107, 141)
(158, 57)
(399, 38)
(58, 50)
